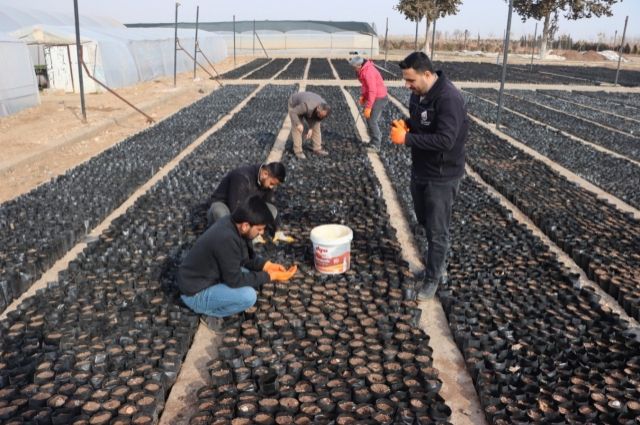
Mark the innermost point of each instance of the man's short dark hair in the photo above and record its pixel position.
(276, 170)
(418, 61)
(323, 107)
(253, 211)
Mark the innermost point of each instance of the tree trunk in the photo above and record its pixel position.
(427, 48)
(415, 42)
(545, 35)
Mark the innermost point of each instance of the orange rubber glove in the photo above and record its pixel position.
(367, 113)
(362, 100)
(273, 267)
(400, 123)
(398, 134)
(283, 276)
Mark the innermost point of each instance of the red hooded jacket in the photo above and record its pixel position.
(372, 84)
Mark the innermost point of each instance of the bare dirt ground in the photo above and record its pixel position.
(42, 142)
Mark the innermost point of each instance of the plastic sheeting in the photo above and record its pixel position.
(302, 42)
(13, 16)
(117, 56)
(18, 84)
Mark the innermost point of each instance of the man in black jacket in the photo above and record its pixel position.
(242, 183)
(221, 273)
(436, 132)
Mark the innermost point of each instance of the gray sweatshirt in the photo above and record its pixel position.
(304, 104)
(217, 256)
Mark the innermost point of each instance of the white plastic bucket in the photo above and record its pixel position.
(332, 248)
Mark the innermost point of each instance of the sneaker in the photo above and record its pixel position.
(321, 152)
(428, 290)
(213, 323)
(301, 155)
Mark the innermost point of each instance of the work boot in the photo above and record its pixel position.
(213, 323)
(428, 290)
(321, 152)
(300, 155)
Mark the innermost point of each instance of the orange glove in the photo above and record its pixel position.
(362, 100)
(367, 113)
(273, 267)
(283, 276)
(398, 134)
(400, 123)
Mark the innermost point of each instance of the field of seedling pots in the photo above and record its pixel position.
(542, 299)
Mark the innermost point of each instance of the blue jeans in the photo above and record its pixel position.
(221, 301)
(372, 122)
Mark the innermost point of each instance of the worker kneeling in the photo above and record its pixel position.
(244, 182)
(221, 273)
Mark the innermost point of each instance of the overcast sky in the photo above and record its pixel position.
(487, 17)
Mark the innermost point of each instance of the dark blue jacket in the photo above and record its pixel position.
(438, 131)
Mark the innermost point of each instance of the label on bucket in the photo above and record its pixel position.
(328, 261)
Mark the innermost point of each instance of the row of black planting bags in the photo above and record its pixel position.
(39, 227)
(526, 103)
(538, 346)
(588, 111)
(108, 338)
(319, 69)
(329, 349)
(539, 74)
(617, 175)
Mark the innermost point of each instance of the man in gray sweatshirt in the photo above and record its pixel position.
(311, 108)
(221, 274)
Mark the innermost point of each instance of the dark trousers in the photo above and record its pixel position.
(432, 203)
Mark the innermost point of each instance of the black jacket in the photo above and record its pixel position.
(217, 257)
(240, 184)
(438, 132)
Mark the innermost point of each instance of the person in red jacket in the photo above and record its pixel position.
(373, 96)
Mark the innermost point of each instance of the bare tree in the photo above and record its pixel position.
(573, 9)
(415, 10)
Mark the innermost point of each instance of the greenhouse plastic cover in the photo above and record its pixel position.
(13, 17)
(18, 84)
(121, 56)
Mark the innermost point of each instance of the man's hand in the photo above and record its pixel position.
(309, 134)
(283, 276)
(362, 100)
(300, 128)
(398, 132)
(273, 267)
(367, 113)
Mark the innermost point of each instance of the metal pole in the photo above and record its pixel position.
(624, 33)
(371, 54)
(79, 58)
(504, 64)
(254, 37)
(533, 45)
(433, 40)
(175, 47)
(195, 44)
(386, 31)
(234, 40)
